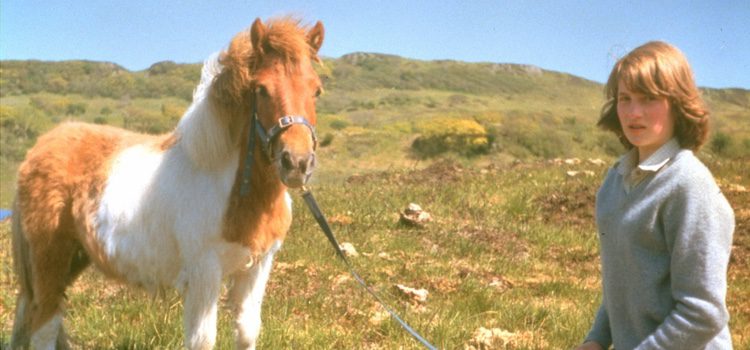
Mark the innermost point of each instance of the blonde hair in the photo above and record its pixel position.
(661, 70)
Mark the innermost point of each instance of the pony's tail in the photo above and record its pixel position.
(22, 266)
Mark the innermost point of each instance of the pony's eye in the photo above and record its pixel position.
(261, 90)
(318, 92)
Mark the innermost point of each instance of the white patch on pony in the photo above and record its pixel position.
(159, 213)
(46, 336)
(288, 202)
(134, 235)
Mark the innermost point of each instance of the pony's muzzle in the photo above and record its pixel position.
(296, 168)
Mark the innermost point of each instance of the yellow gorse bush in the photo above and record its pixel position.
(462, 136)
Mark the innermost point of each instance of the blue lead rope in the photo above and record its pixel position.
(249, 158)
(315, 210)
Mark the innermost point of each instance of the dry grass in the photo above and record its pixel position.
(511, 250)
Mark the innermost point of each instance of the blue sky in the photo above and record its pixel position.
(579, 37)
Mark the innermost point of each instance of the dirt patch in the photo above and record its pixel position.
(572, 204)
(500, 241)
(444, 171)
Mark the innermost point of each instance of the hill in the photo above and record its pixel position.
(512, 247)
(374, 108)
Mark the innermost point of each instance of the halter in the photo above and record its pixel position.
(266, 137)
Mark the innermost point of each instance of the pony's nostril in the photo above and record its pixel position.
(308, 163)
(286, 161)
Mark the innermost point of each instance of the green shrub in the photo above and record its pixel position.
(338, 124)
(143, 120)
(327, 140)
(720, 143)
(19, 129)
(76, 109)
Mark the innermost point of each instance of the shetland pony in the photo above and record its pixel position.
(166, 211)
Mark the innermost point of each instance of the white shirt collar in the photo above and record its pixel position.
(634, 173)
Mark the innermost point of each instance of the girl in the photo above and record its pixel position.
(665, 229)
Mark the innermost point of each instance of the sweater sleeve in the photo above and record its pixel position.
(698, 225)
(600, 332)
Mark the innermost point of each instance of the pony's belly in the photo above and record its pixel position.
(136, 252)
(143, 261)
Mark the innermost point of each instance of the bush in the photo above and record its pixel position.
(327, 140)
(18, 131)
(76, 109)
(172, 112)
(462, 136)
(339, 124)
(720, 143)
(147, 121)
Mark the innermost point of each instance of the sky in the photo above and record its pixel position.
(580, 37)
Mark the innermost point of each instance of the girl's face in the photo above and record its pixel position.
(646, 121)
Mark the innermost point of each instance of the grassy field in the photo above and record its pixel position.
(512, 246)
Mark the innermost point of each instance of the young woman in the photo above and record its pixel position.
(665, 228)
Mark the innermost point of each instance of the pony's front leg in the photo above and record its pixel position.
(247, 296)
(200, 287)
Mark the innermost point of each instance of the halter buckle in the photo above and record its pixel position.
(286, 121)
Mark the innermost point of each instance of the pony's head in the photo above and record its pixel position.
(268, 71)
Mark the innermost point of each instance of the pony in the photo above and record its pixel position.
(182, 210)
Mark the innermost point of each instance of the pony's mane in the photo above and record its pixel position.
(205, 136)
(286, 37)
(211, 69)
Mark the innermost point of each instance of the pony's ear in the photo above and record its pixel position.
(315, 36)
(257, 32)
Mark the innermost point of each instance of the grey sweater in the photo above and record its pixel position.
(665, 232)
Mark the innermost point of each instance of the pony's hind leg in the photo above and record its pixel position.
(46, 265)
(22, 265)
(53, 270)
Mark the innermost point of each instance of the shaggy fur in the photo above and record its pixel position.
(164, 211)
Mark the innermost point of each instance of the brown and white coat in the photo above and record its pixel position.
(164, 211)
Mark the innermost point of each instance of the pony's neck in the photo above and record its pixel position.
(214, 135)
(263, 216)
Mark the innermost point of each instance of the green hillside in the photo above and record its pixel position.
(512, 248)
(374, 109)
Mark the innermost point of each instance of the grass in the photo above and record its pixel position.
(511, 246)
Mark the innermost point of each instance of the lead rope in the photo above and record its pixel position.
(318, 214)
(250, 157)
(256, 127)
